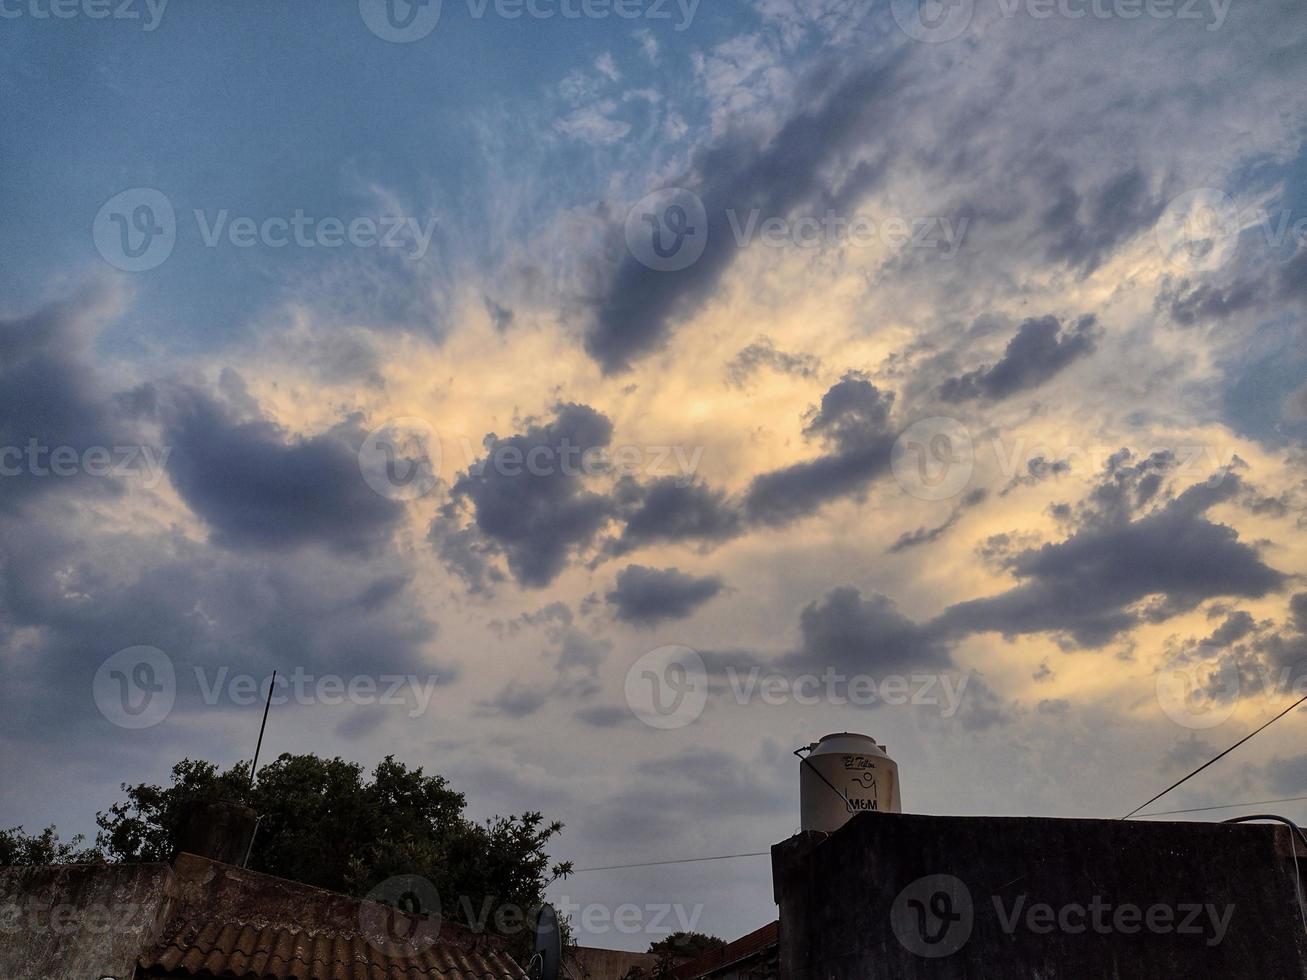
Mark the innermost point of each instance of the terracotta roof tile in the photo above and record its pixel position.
(231, 922)
(742, 949)
(233, 949)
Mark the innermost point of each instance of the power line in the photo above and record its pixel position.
(1223, 806)
(728, 857)
(1302, 700)
(656, 864)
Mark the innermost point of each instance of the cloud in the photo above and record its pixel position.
(648, 596)
(257, 486)
(605, 716)
(763, 353)
(666, 510)
(855, 634)
(922, 535)
(52, 399)
(1038, 470)
(1082, 229)
(1288, 777)
(577, 657)
(1088, 586)
(739, 172)
(1040, 350)
(853, 423)
(529, 500)
(1190, 304)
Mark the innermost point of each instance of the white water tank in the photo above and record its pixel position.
(844, 775)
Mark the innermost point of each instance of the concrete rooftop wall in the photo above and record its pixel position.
(903, 897)
(78, 921)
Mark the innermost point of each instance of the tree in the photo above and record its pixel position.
(678, 948)
(323, 823)
(17, 847)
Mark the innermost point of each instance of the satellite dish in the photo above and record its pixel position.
(548, 959)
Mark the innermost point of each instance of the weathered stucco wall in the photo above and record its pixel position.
(78, 921)
(902, 897)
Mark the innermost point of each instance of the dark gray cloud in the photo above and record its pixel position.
(1288, 777)
(1083, 228)
(763, 353)
(257, 486)
(70, 598)
(1190, 304)
(576, 658)
(1038, 470)
(606, 716)
(466, 553)
(52, 400)
(528, 497)
(742, 171)
(853, 423)
(520, 699)
(924, 535)
(648, 596)
(1040, 350)
(1089, 585)
(668, 510)
(846, 631)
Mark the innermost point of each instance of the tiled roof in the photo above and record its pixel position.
(225, 921)
(230, 949)
(742, 949)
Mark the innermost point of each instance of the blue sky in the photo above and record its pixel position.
(821, 340)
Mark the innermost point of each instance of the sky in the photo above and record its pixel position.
(594, 402)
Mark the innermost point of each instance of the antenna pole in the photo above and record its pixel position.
(257, 748)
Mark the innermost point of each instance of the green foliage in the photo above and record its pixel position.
(325, 824)
(678, 948)
(17, 847)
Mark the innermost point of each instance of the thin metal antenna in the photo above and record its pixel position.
(255, 764)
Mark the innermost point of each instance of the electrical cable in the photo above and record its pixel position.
(1223, 806)
(658, 864)
(1248, 737)
(1297, 874)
